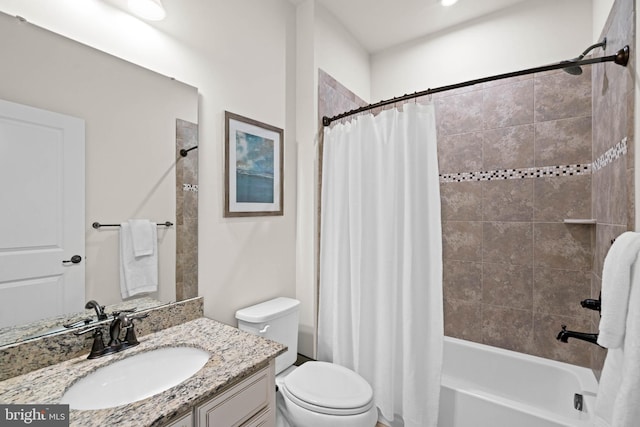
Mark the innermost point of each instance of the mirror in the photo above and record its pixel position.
(131, 155)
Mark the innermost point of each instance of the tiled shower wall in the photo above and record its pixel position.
(516, 159)
(613, 136)
(515, 162)
(513, 271)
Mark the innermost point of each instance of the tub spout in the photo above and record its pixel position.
(564, 336)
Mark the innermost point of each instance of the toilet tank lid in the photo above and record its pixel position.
(268, 310)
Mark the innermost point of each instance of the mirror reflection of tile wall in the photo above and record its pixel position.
(186, 211)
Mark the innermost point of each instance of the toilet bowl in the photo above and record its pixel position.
(322, 394)
(315, 394)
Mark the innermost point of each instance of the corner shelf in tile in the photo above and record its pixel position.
(589, 221)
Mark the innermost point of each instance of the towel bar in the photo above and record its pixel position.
(97, 225)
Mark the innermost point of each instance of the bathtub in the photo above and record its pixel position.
(484, 386)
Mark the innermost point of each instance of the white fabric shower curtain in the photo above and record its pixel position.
(380, 300)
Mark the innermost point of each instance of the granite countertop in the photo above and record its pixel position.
(235, 355)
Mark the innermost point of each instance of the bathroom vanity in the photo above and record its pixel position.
(236, 386)
(249, 403)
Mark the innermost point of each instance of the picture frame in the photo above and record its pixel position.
(254, 165)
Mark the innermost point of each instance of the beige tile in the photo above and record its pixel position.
(507, 285)
(506, 82)
(507, 200)
(459, 113)
(507, 328)
(508, 147)
(561, 197)
(460, 152)
(508, 105)
(561, 95)
(461, 201)
(507, 243)
(563, 142)
(559, 292)
(462, 240)
(547, 327)
(562, 246)
(462, 280)
(462, 320)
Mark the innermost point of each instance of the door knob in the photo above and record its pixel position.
(74, 260)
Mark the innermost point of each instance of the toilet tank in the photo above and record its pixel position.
(277, 320)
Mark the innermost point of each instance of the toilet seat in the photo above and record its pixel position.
(328, 389)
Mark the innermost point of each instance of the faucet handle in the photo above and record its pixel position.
(85, 331)
(591, 304)
(127, 323)
(139, 316)
(97, 348)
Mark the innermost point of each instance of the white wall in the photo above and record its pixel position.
(241, 57)
(601, 9)
(340, 55)
(323, 43)
(526, 35)
(306, 127)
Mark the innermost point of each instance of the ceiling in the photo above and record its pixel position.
(380, 24)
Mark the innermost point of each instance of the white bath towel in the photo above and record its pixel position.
(616, 282)
(617, 402)
(138, 274)
(142, 236)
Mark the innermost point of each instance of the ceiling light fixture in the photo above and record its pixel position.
(151, 10)
(448, 2)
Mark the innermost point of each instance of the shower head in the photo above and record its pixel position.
(576, 70)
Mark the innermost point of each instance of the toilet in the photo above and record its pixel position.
(317, 394)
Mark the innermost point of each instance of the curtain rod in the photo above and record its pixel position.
(621, 58)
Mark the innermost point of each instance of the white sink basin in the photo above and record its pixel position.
(135, 378)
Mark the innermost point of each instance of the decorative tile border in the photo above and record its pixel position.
(536, 172)
(613, 153)
(190, 187)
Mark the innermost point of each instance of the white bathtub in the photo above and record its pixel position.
(484, 386)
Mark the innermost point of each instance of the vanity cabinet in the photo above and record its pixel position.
(249, 403)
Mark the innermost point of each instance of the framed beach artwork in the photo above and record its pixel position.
(253, 167)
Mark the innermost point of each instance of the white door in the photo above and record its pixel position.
(41, 214)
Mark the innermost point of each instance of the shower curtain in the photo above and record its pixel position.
(380, 299)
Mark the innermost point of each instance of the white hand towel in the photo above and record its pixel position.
(142, 235)
(137, 274)
(626, 409)
(616, 282)
(619, 388)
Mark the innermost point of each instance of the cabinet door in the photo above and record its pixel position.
(185, 421)
(260, 420)
(240, 405)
